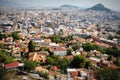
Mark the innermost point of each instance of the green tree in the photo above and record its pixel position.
(43, 48)
(75, 46)
(3, 74)
(1, 46)
(29, 65)
(69, 51)
(60, 32)
(88, 46)
(108, 74)
(102, 50)
(31, 46)
(70, 37)
(63, 64)
(4, 35)
(78, 62)
(4, 58)
(49, 61)
(117, 62)
(15, 35)
(55, 38)
(113, 51)
(88, 64)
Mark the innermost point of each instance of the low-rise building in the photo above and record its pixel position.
(59, 51)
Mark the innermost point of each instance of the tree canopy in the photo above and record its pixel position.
(113, 51)
(89, 46)
(59, 39)
(78, 62)
(4, 58)
(57, 61)
(108, 74)
(31, 46)
(15, 35)
(30, 65)
(69, 51)
(3, 74)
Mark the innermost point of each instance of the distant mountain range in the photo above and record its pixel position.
(99, 7)
(68, 6)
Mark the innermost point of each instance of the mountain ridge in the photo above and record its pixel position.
(99, 7)
(68, 6)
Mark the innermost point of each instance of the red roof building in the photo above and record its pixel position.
(12, 65)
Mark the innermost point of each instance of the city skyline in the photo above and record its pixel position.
(114, 5)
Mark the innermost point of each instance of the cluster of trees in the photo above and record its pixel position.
(4, 36)
(110, 51)
(43, 48)
(69, 51)
(60, 32)
(113, 51)
(4, 58)
(57, 61)
(90, 46)
(30, 65)
(59, 39)
(80, 62)
(3, 74)
(31, 46)
(75, 46)
(14, 35)
(2, 46)
(108, 74)
(55, 38)
(62, 63)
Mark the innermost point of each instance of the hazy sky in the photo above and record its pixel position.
(112, 4)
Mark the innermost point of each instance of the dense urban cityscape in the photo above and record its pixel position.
(59, 43)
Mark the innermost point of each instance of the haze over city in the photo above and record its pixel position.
(112, 4)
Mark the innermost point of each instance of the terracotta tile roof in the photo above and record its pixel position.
(74, 74)
(102, 44)
(58, 49)
(55, 68)
(9, 39)
(12, 65)
(24, 50)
